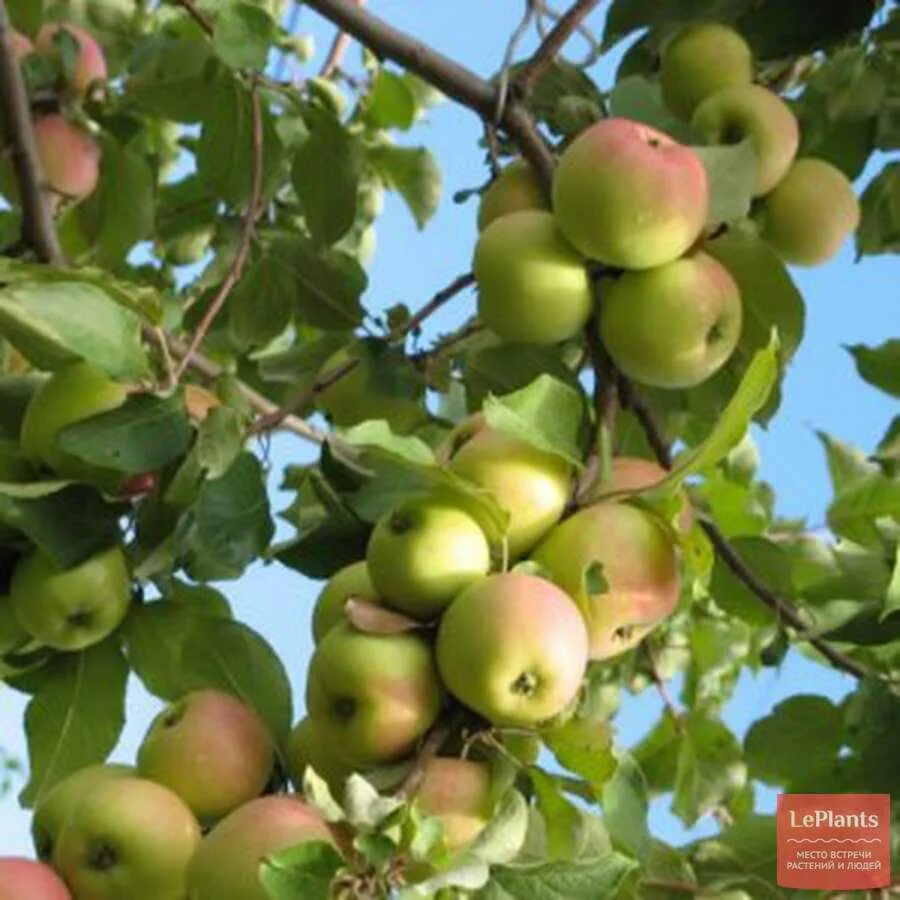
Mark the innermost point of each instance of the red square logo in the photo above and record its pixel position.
(834, 841)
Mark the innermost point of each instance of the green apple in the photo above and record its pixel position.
(744, 111)
(12, 634)
(350, 582)
(700, 60)
(70, 609)
(25, 879)
(458, 793)
(210, 749)
(423, 553)
(72, 394)
(227, 863)
(53, 809)
(637, 561)
(515, 189)
(89, 63)
(629, 196)
(372, 695)
(529, 484)
(811, 212)
(533, 288)
(513, 647)
(673, 326)
(129, 837)
(306, 747)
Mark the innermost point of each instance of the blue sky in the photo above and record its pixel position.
(846, 304)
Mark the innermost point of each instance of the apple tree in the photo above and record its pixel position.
(515, 522)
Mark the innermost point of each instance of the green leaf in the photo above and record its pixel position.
(243, 34)
(879, 230)
(414, 173)
(25, 16)
(303, 871)
(584, 746)
(377, 433)
(390, 102)
(742, 856)
(257, 309)
(502, 838)
(892, 596)
(562, 818)
(627, 16)
(639, 99)
(855, 511)
(366, 809)
(625, 805)
(76, 715)
(731, 170)
(846, 464)
(564, 97)
(880, 366)
(53, 324)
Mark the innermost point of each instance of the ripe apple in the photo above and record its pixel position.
(630, 196)
(638, 562)
(25, 879)
(350, 582)
(90, 64)
(700, 60)
(515, 189)
(306, 747)
(529, 484)
(533, 287)
(211, 750)
(21, 45)
(129, 838)
(675, 325)
(372, 695)
(423, 553)
(77, 392)
(69, 156)
(227, 862)
(70, 609)
(810, 213)
(458, 792)
(743, 111)
(53, 809)
(513, 647)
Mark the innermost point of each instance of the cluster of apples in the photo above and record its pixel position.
(629, 197)
(69, 156)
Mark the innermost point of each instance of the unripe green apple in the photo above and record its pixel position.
(458, 792)
(210, 749)
(533, 288)
(629, 196)
(306, 747)
(54, 808)
(372, 695)
(513, 647)
(810, 213)
(77, 392)
(637, 560)
(227, 862)
(700, 60)
(25, 879)
(743, 111)
(675, 325)
(12, 634)
(423, 553)
(515, 189)
(350, 582)
(69, 156)
(70, 609)
(529, 484)
(90, 64)
(129, 838)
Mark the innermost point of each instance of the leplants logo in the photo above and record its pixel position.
(834, 841)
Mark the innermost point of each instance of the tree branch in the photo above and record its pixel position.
(38, 228)
(196, 15)
(338, 50)
(459, 284)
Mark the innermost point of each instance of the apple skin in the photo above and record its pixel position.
(77, 392)
(673, 326)
(629, 196)
(372, 695)
(812, 210)
(515, 189)
(70, 609)
(531, 485)
(533, 288)
(513, 647)
(129, 838)
(423, 553)
(639, 563)
(306, 747)
(21, 45)
(25, 879)
(211, 749)
(90, 64)
(69, 156)
(54, 808)
(458, 792)
(351, 581)
(700, 60)
(227, 862)
(750, 111)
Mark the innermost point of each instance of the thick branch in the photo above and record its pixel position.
(38, 229)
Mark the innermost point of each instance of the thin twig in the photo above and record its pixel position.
(338, 50)
(196, 15)
(512, 44)
(459, 284)
(243, 249)
(661, 687)
(38, 229)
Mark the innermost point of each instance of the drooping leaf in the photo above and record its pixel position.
(414, 173)
(880, 366)
(243, 35)
(731, 170)
(302, 871)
